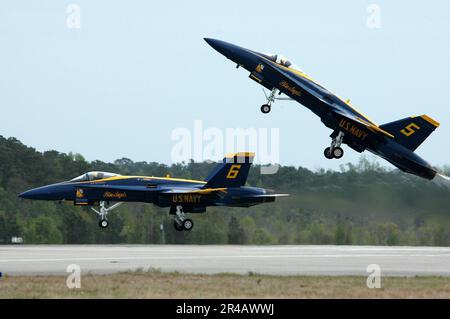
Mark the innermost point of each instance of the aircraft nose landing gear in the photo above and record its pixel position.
(335, 150)
(265, 108)
(181, 222)
(103, 212)
(271, 98)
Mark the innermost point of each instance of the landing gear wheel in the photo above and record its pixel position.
(103, 223)
(188, 224)
(178, 226)
(265, 108)
(338, 152)
(327, 153)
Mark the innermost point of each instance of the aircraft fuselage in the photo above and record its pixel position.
(81, 193)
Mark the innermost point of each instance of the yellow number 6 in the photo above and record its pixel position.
(234, 171)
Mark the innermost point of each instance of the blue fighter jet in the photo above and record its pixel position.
(395, 141)
(223, 187)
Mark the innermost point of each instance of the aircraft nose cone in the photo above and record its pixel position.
(220, 46)
(36, 193)
(237, 54)
(28, 194)
(56, 191)
(210, 41)
(44, 192)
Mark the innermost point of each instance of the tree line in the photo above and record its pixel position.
(362, 204)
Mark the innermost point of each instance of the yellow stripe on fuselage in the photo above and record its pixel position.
(121, 177)
(347, 103)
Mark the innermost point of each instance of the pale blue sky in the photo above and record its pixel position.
(137, 69)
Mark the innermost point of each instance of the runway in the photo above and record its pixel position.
(211, 259)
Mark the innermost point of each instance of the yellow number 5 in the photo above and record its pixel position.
(410, 129)
(234, 171)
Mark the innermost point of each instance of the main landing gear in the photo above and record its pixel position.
(180, 221)
(104, 211)
(335, 150)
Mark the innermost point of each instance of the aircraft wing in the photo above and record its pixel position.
(202, 191)
(371, 126)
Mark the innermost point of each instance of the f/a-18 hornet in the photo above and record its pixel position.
(225, 186)
(395, 141)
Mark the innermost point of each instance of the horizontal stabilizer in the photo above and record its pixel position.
(268, 195)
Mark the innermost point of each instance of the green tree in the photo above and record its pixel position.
(236, 234)
(263, 237)
(42, 230)
(381, 206)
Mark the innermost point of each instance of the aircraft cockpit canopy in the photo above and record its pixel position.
(282, 60)
(92, 176)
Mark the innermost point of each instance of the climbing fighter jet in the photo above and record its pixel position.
(395, 141)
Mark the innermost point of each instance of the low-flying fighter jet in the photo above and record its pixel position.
(395, 141)
(223, 187)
